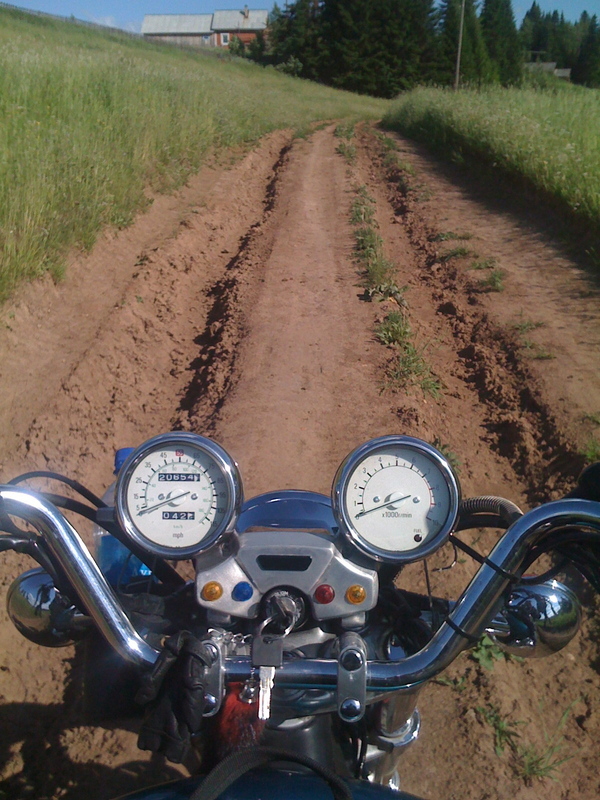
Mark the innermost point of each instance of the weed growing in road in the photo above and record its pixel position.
(394, 329)
(345, 130)
(533, 763)
(347, 151)
(526, 325)
(362, 210)
(494, 281)
(528, 761)
(458, 684)
(411, 369)
(408, 368)
(448, 236)
(449, 453)
(505, 731)
(456, 252)
(486, 652)
(536, 351)
(483, 263)
(393, 160)
(595, 418)
(368, 243)
(591, 451)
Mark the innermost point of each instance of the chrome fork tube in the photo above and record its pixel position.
(67, 549)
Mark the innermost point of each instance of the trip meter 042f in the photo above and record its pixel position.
(177, 494)
(396, 499)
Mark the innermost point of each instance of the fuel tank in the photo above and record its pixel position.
(271, 784)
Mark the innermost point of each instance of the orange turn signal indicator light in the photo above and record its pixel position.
(356, 594)
(211, 591)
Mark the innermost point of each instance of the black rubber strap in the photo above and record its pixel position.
(469, 637)
(242, 761)
(483, 559)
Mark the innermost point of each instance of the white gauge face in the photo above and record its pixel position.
(176, 495)
(398, 498)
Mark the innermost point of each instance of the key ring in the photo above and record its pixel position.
(275, 618)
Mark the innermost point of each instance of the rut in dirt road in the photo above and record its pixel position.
(217, 344)
(303, 369)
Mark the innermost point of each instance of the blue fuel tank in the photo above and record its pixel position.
(271, 784)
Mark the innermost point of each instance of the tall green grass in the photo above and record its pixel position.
(91, 120)
(551, 139)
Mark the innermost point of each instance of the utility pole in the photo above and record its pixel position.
(460, 38)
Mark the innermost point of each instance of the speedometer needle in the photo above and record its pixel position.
(162, 503)
(383, 505)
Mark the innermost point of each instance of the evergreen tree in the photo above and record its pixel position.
(257, 49)
(502, 40)
(475, 65)
(587, 68)
(549, 37)
(379, 48)
(533, 34)
(296, 32)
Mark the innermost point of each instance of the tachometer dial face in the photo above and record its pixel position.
(396, 498)
(177, 493)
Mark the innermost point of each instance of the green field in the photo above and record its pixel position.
(549, 138)
(90, 120)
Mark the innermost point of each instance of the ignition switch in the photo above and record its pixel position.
(285, 608)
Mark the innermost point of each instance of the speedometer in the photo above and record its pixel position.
(396, 499)
(177, 494)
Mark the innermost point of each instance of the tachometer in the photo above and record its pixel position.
(177, 494)
(396, 499)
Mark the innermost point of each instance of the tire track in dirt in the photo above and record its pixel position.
(213, 369)
(520, 425)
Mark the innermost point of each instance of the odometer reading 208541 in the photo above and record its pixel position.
(177, 494)
(397, 498)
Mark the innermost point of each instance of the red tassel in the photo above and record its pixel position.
(238, 722)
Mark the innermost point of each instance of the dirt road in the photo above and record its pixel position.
(234, 310)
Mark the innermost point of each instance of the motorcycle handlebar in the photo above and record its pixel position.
(466, 623)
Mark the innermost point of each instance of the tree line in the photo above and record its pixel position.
(382, 47)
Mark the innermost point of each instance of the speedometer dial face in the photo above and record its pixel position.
(177, 493)
(396, 498)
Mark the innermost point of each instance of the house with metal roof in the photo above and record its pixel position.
(244, 24)
(197, 30)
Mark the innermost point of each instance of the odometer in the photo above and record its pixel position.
(177, 494)
(396, 498)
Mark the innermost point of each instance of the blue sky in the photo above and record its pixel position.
(129, 15)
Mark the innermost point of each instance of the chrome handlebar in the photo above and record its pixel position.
(467, 621)
(67, 549)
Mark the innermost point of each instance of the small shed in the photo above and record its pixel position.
(193, 30)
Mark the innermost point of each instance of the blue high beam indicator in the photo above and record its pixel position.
(168, 477)
(242, 591)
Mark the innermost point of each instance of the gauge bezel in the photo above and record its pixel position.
(225, 463)
(339, 494)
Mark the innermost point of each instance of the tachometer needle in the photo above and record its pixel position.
(162, 503)
(383, 505)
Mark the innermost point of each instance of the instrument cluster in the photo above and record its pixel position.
(395, 500)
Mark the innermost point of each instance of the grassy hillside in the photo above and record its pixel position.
(549, 138)
(90, 119)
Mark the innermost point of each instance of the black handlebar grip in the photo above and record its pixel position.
(588, 484)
